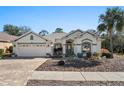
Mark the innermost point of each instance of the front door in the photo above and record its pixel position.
(69, 48)
(57, 49)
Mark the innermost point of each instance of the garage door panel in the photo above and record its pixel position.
(31, 51)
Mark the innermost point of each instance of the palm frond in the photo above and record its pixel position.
(119, 26)
(101, 27)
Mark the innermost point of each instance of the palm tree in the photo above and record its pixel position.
(43, 32)
(111, 21)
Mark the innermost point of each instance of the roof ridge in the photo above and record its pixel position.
(25, 34)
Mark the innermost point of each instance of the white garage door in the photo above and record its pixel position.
(31, 50)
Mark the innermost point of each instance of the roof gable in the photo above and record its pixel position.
(93, 34)
(72, 32)
(24, 35)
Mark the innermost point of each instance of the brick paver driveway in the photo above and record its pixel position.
(17, 71)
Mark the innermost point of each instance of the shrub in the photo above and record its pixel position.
(1, 53)
(107, 55)
(48, 54)
(61, 62)
(96, 54)
(88, 54)
(80, 55)
(104, 50)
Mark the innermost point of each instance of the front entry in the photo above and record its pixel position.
(57, 49)
(86, 47)
(69, 47)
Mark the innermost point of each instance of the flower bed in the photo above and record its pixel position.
(109, 65)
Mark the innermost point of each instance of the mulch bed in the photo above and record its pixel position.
(73, 83)
(94, 66)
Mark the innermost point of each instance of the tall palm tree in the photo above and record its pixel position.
(43, 32)
(111, 21)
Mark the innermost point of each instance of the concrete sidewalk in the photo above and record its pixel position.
(77, 76)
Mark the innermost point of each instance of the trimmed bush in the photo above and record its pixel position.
(61, 63)
(48, 55)
(1, 53)
(96, 54)
(107, 55)
(80, 55)
(88, 54)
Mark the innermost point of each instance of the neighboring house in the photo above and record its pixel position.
(6, 40)
(31, 44)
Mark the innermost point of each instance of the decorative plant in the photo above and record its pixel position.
(1, 53)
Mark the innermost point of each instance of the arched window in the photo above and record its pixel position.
(86, 47)
(31, 37)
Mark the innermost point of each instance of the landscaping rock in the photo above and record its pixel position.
(108, 65)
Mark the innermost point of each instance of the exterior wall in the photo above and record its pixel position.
(4, 45)
(98, 47)
(77, 49)
(15, 47)
(64, 49)
(95, 43)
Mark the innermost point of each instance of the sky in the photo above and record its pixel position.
(51, 17)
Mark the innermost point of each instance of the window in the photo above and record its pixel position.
(31, 37)
(86, 46)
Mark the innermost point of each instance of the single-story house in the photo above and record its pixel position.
(6, 40)
(31, 44)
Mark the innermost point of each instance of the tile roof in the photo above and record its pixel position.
(4, 37)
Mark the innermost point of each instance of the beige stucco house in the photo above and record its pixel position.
(31, 44)
(6, 40)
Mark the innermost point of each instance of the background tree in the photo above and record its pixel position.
(15, 30)
(24, 29)
(112, 20)
(118, 42)
(59, 30)
(43, 32)
(11, 29)
(105, 41)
